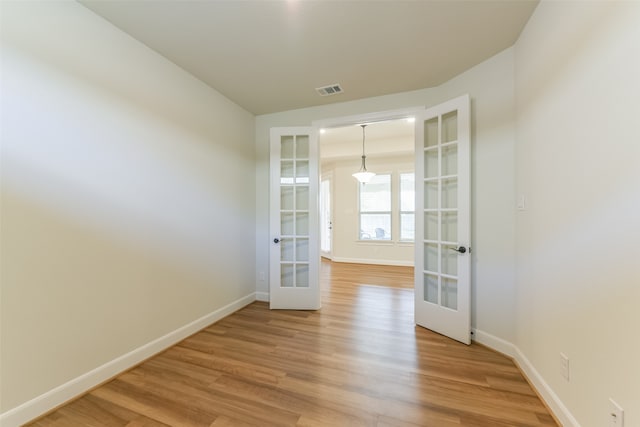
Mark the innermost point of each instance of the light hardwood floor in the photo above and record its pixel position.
(359, 361)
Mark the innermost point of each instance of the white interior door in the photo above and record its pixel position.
(326, 218)
(294, 255)
(443, 225)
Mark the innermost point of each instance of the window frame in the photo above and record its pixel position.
(401, 212)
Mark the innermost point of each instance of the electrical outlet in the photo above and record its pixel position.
(564, 366)
(262, 276)
(616, 414)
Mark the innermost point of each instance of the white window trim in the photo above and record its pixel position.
(400, 211)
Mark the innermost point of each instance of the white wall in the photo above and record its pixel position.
(127, 197)
(578, 162)
(491, 86)
(346, 244)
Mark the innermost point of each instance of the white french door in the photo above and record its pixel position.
(294, 253)
(443, 223)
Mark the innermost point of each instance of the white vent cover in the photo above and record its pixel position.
(333, 89)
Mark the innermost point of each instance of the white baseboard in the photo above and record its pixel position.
(77, 386)
(544, 390)
(494, 343)
(535, 379)
(262, 296)
(373, 261)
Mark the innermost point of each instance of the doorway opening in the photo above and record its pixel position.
(442, 213)
(369, 228)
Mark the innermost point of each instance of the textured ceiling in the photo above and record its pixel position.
(270, 55)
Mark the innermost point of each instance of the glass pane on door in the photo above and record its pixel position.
(449, 261)
(431, 260)
(302, 224)
(302, 275)
(302, 172)
(449, 291)
(286, 250)
(431, 163)
(302, 147)
(294, 211)
(286, 147)
(449, 193)
(286, 198)
(431, 226)
(431, 131)
(441, 210)
(450, 160)
(431, 194)
(286, 275)
(286, 224)
(286, 172)
(431, 288)
(302, 198)
(449, 127)
(449, 227)
(302, 250)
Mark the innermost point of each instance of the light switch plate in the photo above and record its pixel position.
(522, 202)
(616, 414)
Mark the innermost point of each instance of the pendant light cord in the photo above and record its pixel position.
(364, 166)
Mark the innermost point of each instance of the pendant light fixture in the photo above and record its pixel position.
(363, 175)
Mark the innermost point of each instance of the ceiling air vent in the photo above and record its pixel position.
(333, 89)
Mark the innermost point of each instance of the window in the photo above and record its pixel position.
(407, 206)
(375, 208)
(387, 204)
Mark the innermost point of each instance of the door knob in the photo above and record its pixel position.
(461, 249)
(276, 240)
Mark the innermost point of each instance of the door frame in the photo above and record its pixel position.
(327, 177)
(356, 119)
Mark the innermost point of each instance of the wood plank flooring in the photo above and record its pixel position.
(359, 361)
